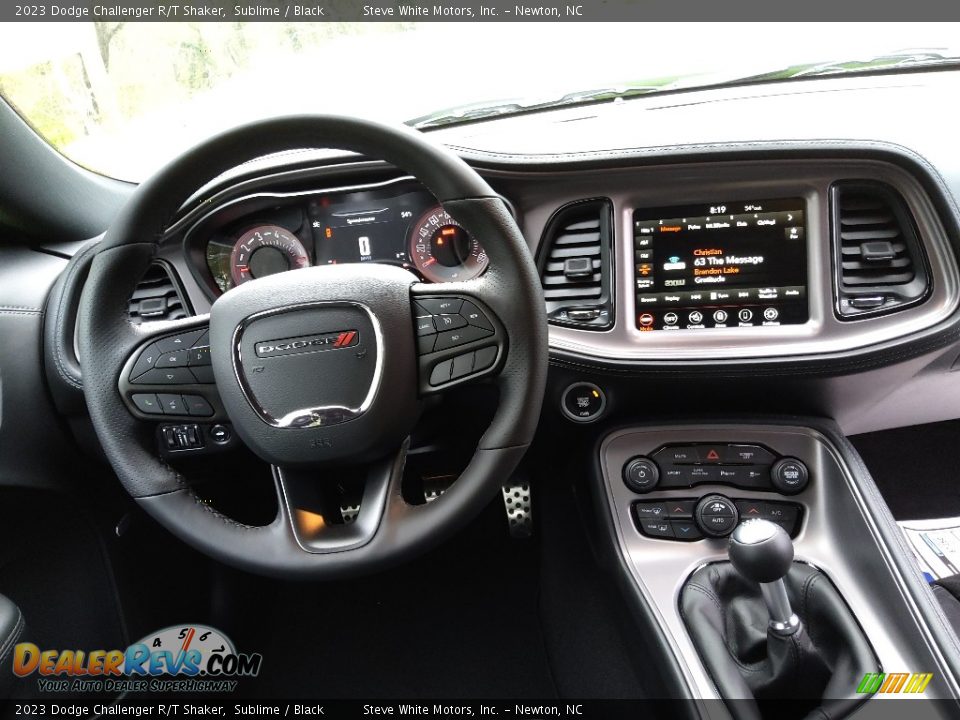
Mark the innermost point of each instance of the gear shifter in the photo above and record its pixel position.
(762, 551)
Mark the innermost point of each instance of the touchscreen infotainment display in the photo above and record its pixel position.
(724, 265)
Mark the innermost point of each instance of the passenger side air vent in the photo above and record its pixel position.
(878, 256)
(157, 297)
(575, 260)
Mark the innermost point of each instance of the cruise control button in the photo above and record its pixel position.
(146, 361)
(440, 306)
(441, 372)
(474, 316)
(180, 342)
(147, 403)
(452, 338)
(172, 404)
(197, 406)
(204, 339)
(177, 358)
(165, 376)
(448, 322)
(424, 325)
(656, 528)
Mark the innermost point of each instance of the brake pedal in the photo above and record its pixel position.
(516, 501)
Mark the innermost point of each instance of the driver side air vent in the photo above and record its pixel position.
(878, 255)
(157, 297)
(575, 260)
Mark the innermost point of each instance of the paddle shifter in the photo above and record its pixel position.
(762, 551)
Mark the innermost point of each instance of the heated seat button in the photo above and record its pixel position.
(147, 403)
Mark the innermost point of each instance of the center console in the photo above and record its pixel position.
(672, 496)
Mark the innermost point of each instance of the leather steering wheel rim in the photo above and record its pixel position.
(510, 288)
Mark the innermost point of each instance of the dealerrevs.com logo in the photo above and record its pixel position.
(190, 658)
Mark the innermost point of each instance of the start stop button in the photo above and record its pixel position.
(583, 402)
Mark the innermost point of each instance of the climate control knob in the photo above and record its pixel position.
(716, 515)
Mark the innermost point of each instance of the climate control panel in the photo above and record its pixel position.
(710, 516)
(747, 466)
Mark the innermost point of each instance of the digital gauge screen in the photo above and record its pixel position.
(723, 265)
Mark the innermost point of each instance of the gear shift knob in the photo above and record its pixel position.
(762, 551)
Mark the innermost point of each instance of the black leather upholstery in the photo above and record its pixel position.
(818, 667)
(12, 627)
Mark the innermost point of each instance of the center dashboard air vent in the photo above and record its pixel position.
(157, 297)
(878, 257)
(575, 261)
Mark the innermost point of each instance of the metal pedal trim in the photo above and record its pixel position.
(517, 503)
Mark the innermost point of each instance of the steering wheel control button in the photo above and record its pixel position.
(182, 341)
(424, 325)
(165, 376)
(789, 475)
(172, 404)
(440, 306)
(641, 475)
(484, 358)
(146, 361)
(197, 406)
(583, 402)
(202, 374)
(448, 322)
(198, 356)
(462, 366)
(425, 343)
(474, 316)
(716, 515)
(147, 403)
(466, 334)
(441, 372)
(177, 358)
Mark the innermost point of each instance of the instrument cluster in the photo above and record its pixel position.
(398, 223)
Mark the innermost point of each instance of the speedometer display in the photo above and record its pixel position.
(443, 251)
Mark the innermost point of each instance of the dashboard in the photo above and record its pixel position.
(396, 222)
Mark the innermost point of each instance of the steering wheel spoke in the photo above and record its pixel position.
(459, 338)
(327, 512)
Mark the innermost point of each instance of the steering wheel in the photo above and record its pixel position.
(319, 369)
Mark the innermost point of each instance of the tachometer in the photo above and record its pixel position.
(266, 250)
(442, 250)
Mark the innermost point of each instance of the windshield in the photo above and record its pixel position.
(123, 98)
